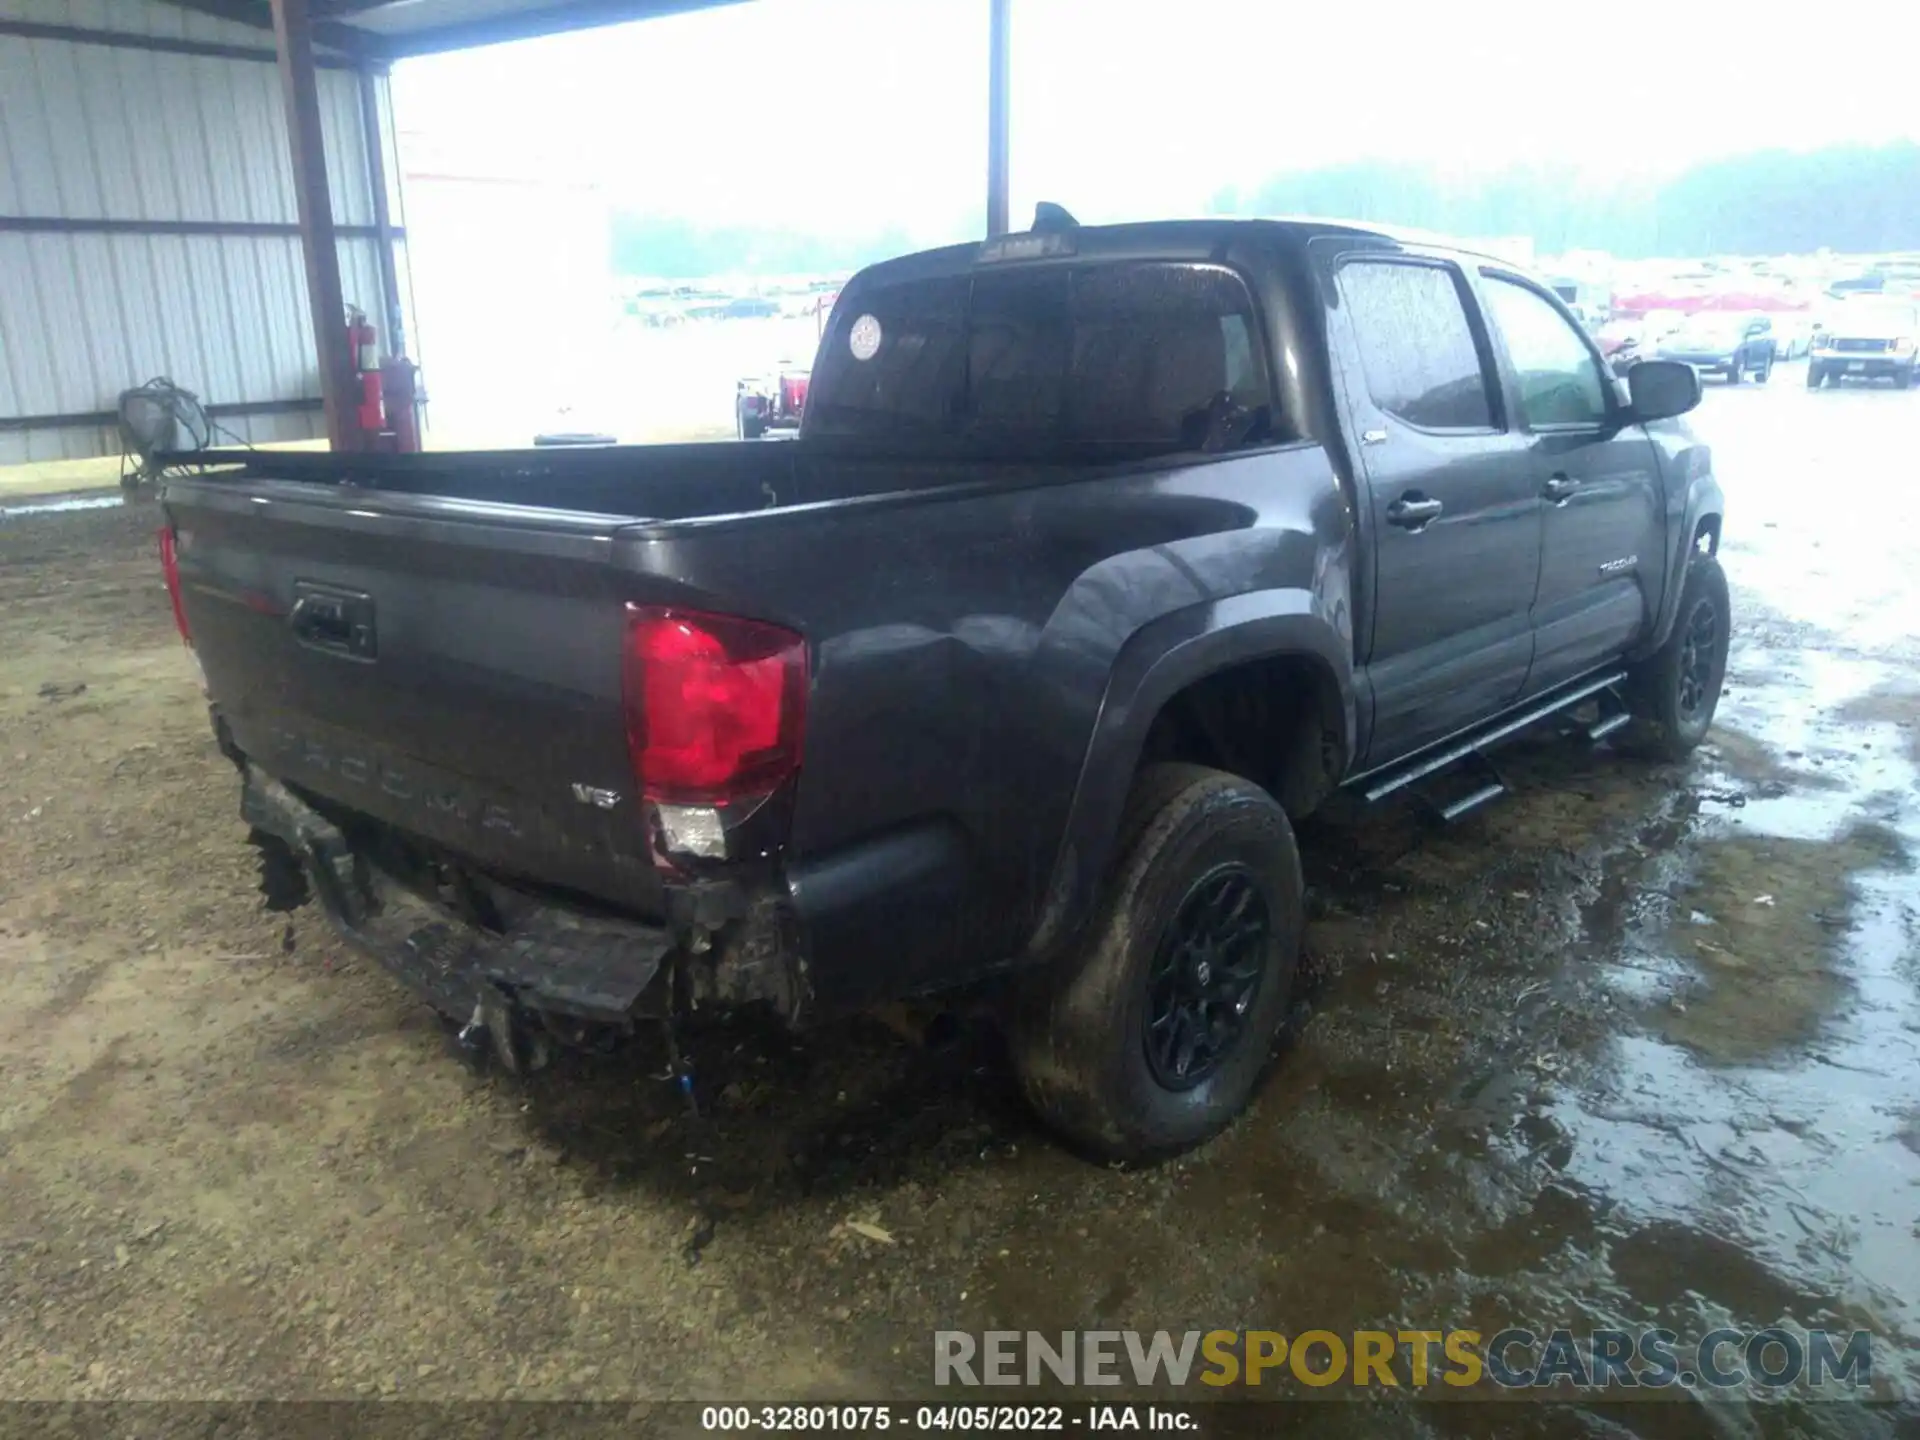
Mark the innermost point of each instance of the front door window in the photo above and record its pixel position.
(1560, 380)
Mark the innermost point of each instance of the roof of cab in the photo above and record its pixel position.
(1171, 240)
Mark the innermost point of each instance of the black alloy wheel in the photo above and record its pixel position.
(1152, 1032)
(1205, 976)
(1698, 658)
(1673, 693)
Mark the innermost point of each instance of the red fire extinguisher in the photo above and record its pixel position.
(363, 343)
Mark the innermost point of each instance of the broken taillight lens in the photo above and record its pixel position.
(170, 567)
(714, 705)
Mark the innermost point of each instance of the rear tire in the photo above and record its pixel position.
(1903, 379)
(1672, 694)
(1733, 372)
(1816, 377)
(1765, 372)
(1194, 950)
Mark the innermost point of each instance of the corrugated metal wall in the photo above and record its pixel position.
(95, 132)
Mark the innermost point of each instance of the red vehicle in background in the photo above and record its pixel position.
(766, 403)
(771, 402)
(1620, 342)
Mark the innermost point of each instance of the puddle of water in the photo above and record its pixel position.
(1771, 1103)
(60, 504)
(1895, 703)
(1759, 922)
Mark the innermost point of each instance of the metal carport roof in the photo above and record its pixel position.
(373, 32)
(393, 29)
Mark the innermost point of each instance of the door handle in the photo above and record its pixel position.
(1559, 488)
(320, 621)
(338, 621)
(1413, 511)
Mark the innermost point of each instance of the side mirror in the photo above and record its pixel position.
(1661, 389)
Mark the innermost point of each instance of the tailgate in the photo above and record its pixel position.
(451, 667)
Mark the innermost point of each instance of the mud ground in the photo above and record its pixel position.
(1635, 1046)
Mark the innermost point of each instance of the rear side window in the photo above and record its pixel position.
(1421, 360)
(1134, 355)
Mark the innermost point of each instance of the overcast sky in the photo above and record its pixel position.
(847, 116)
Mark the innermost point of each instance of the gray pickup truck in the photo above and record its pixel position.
(1104, 555)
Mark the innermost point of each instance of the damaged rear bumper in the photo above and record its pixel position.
(559, 963)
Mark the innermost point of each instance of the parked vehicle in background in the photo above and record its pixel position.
(1867, 339)
(1729, 343)
(1105, 555)
(1620, 342)
(1624, 356)
(1871, 283)
(771, 402)
(1793, 332)
(1658, 325)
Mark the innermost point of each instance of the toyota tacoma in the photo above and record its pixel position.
(1103, 556)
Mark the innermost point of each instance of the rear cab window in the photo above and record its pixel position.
(1422, 361)
(1101, 356)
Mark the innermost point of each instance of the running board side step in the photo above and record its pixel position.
(1473, 800)
(1605, 726)
(1472, 744)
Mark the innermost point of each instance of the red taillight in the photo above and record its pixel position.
(714, 705)
(793, 393)
(170, 567)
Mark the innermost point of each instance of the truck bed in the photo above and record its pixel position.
(493, 586)
(963, 619)
(632, 483)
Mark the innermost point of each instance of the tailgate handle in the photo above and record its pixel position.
(340, 621)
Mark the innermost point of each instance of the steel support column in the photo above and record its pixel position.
(393, 338)
(999, 74)
(293, 30)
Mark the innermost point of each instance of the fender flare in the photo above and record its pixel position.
(1705, 501)
(1157, 662)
